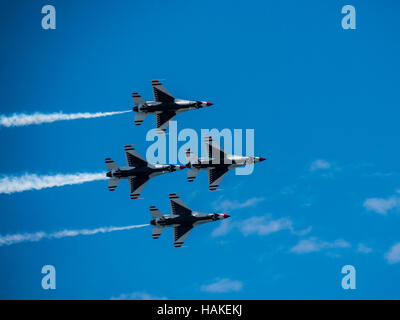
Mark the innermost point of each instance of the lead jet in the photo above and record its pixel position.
(217, 163)
(164, 106)
(138, 171)
(182, 219)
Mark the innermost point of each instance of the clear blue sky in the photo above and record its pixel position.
(324, 103)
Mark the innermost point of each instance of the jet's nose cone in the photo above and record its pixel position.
(226, 215)
(262, 159)
(209, 103)
(181, 167)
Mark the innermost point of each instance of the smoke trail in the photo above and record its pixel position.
(36, 182)
(8, 240)
(22, 119)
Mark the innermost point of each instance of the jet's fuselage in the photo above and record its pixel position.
(229, 163)
(173, 106)
(127, 172)
(208, 165)
(189, 219)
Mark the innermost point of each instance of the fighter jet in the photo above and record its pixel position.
(218, 163)
(182, 219)
(138, 171)
(164, 106)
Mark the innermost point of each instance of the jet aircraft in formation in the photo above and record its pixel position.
(164, 106)
(138, 171)
(182, 219)
(217, 163)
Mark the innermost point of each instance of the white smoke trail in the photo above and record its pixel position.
(11, 239)
(36, 182)
(22, 119)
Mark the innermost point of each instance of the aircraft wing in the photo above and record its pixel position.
(215, 177)
(136, 186)
(213, 151)
(133, 158)
(163, 118)
(178, 207)
(180, 234)
(160, 93)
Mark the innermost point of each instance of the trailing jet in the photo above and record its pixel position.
(164, 106)
(182, 219)
(218, 163)
(138, 171)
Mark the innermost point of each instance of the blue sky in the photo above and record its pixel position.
(323, 102)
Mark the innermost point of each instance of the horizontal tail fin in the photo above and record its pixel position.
(191, 156)
(111, 165)
(139, 117)
(156, 232)
(155, 213)
(113, 183)
(137, 99)
(192, 174)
